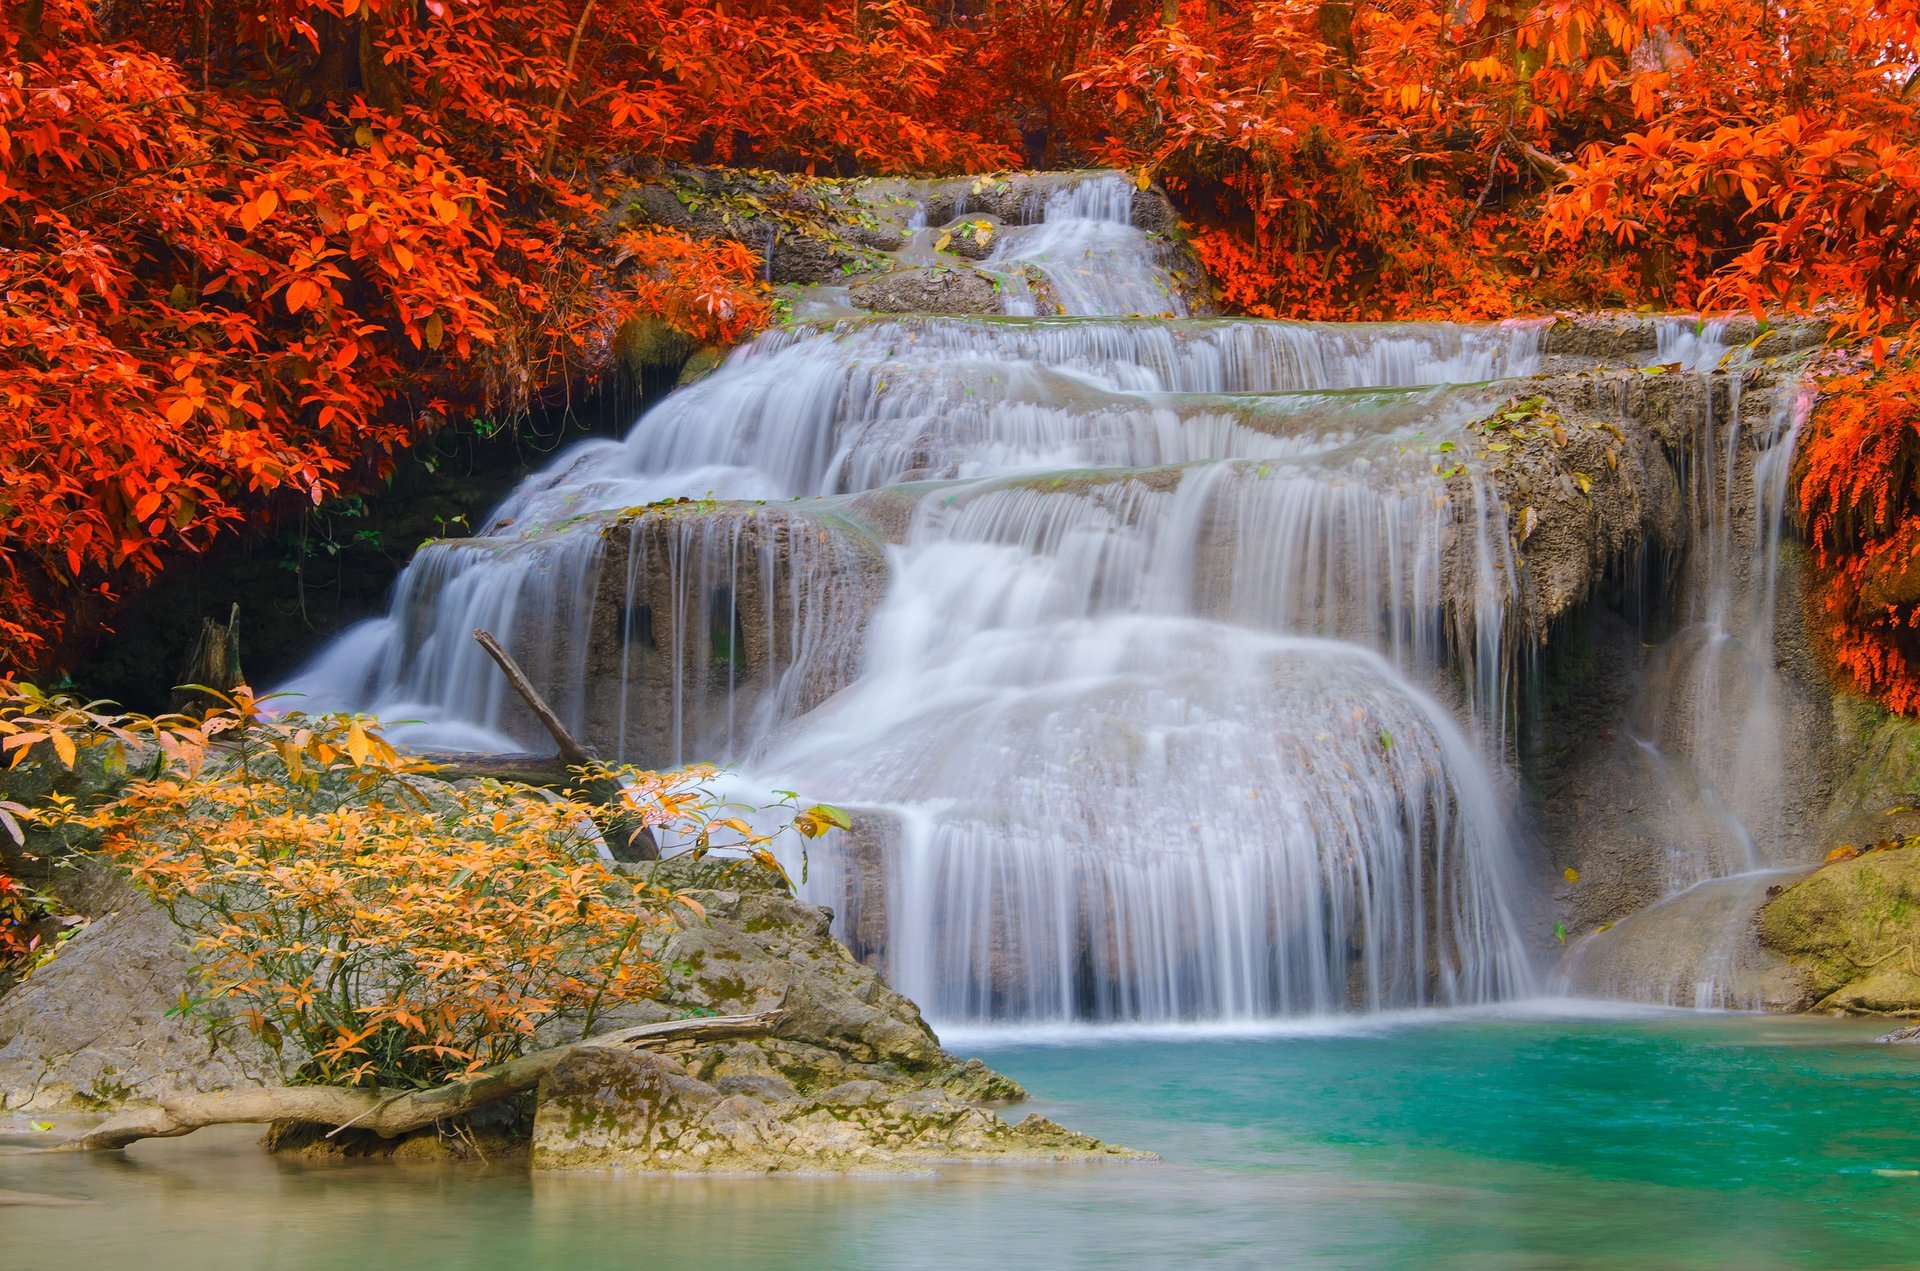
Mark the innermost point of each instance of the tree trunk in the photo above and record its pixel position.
(213, 664)
(391, 1113)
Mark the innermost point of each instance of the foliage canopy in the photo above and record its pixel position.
(251, 249)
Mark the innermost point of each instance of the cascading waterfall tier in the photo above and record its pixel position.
(1155, 656)
(1706, 774)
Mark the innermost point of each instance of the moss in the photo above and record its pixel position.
(1879, 795)
(650, 344)
(725, 989)
(1855, 927)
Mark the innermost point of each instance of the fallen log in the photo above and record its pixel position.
(628, 839)
(520, 769)
(571, 751)
(391, 1113)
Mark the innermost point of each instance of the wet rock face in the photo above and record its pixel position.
(709, 616)
(1854, 929)
(1677, 726)
(1697, 949)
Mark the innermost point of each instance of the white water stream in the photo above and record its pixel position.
(1180, 690)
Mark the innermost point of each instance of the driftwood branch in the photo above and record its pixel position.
(570, 749)
(628, 839)
(390, 1113)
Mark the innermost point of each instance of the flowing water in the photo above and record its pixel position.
(1166, 673)
(1710, 719)
(1450, 1141)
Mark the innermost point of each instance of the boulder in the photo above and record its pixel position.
(935, 289)
(1854, 928)
(1154, 212)
(96, 1025)
(851, 1080)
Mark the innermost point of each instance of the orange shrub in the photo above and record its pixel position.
(370, 924)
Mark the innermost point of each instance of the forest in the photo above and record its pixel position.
(255, 249)
(1326, 591)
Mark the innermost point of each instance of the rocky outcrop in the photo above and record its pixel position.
(615, 1110)
(808, 230)
(1699, 948)
(1678, 726)
(852, 1078)
(932, 289)
(1877, 795)
(707, 614)
(1854, 929)
(101, 1023)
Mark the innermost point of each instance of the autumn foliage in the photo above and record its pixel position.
(372, 925)
(251, 249)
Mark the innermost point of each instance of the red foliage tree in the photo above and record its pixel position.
(249, 249)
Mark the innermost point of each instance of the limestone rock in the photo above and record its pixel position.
(1695, 949)
(703, 362)
(1878, 796)
(647, 346)
(91, 1028)
(625, 1110)
(1854, 926)
(707, 613)
(851, 1080)
(966, 240)
(1153, 212)
(938, 289)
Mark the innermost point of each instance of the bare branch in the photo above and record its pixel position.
(390, 1113)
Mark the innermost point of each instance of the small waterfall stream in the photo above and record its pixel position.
(1164, 668)
(1710, 718)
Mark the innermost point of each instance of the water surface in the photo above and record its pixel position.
(1439, 1140)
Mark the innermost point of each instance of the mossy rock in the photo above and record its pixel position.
(1879, 797)
(1855, 927)
(647, 346)
(704, 361)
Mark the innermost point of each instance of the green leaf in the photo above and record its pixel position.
(832, 815)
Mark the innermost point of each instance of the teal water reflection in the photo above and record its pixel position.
(1489, 1142)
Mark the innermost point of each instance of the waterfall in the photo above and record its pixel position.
(1710, 720)
(1158, 659)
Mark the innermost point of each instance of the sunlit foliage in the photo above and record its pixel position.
(249, 249)
(368, 923)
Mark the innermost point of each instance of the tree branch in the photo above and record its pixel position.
(391, 1113)
(627, 838)
(570, 749)
(555, 116)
